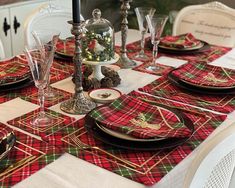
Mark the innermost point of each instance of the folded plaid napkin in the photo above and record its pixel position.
(139, 119)
(203, 74)
(66, 47)
(180, 41)
(13, 70)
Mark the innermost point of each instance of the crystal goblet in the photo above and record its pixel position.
(41, 38)
(156, 25)
(39, 61)
(141, 12)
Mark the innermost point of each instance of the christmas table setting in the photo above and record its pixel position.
(147, 136)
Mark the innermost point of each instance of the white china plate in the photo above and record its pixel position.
(104, 95)
(125, 136)
(183, 49)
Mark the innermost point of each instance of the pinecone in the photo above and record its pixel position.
(106, 82)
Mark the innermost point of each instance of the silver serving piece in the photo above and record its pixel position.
(78, 104)
(124, 61)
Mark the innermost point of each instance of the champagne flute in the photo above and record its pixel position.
(141, 12)
(40, 62)
(43, 37)
(156, 25)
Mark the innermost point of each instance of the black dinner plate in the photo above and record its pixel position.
(197, 89)
(91, 127)
(63, 57)
(16, 86)
(7, 144)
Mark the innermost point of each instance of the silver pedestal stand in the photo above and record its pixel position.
(79, 104)
(124, 61)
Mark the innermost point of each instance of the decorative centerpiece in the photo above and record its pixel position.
(98, 39)
(98, 49)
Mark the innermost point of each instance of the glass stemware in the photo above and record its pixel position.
(43, 37)
(156, 25)
(39, 61)
(141, 12)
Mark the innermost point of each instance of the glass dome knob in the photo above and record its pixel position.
(96, 13)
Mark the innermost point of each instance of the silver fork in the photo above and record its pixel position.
(84, 146)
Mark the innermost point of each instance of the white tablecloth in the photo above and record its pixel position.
(69, 171)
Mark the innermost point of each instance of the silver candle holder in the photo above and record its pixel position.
(78, 104)
(124, 61)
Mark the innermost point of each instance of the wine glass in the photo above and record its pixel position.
(41, 38)
(141, 12)
(156, 25)
(39, 61)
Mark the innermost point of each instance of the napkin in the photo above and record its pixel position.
(13, 70)
(139, 119)
(202, 74)
(180, 41)
(66, 47)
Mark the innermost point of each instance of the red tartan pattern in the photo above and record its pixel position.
(163, 88)
(180, 41)
(147, 167)
(58, 121)
(202, 74)
(61, 96)
(139, 119)
(13, 70)
(34, 153)
(208, 55)
(133, 50)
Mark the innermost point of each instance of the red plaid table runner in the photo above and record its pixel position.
(162, 87)
(147, 167)
(180, 41)
(139, 119)
(27, 157)
(13, 70)
(206, 56)
(202, 74)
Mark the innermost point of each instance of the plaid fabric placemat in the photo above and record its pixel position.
(139, 119)
(146, 167)
(163, 88)
(180, 41)
(58, 122)
(27, 157)
(202, 74)
(60, 95)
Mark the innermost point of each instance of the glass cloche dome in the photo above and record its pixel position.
(98, 39)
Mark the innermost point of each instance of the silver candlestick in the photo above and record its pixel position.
(78, 104)
(124, 61)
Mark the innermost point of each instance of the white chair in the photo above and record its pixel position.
(212, 22)
(2, 52)
(214, 164)
(48, 17)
